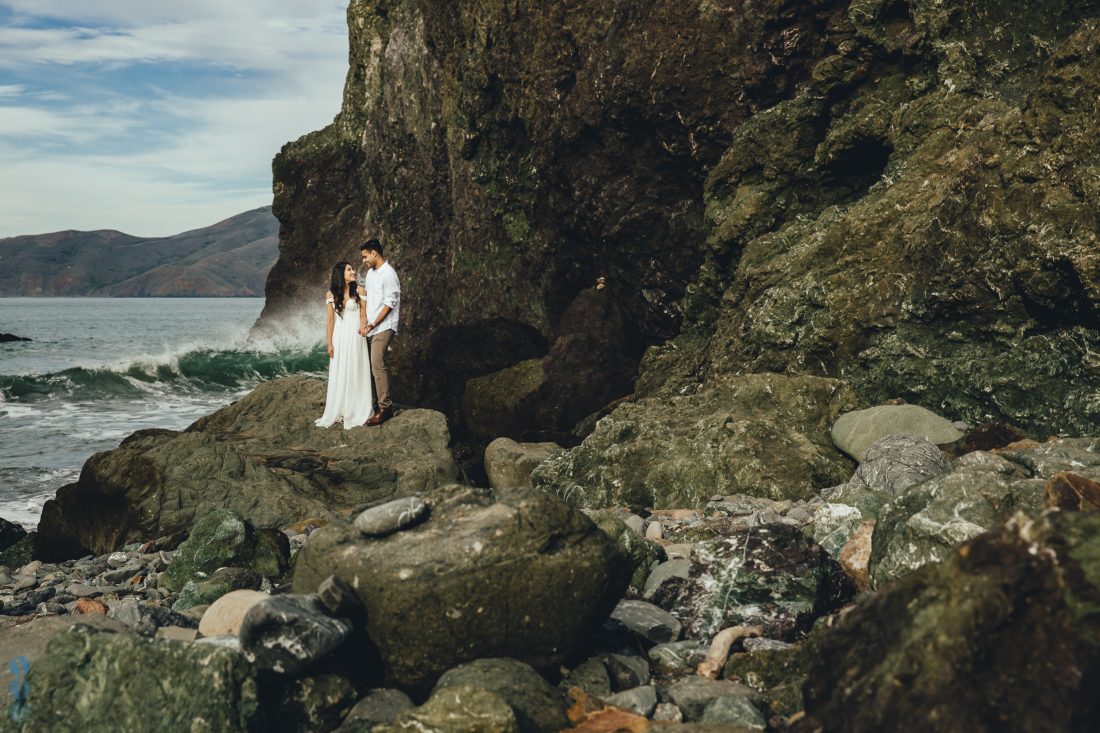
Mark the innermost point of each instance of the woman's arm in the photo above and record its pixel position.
(331, 323)
(362, 314)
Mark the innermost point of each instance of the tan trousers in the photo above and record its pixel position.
(378, 345)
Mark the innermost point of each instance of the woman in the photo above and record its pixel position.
(349, 394)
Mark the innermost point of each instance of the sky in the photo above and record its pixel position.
(154, 117)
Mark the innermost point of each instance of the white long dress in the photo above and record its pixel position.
(349, 394)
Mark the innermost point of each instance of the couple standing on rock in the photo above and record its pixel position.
(360, 327)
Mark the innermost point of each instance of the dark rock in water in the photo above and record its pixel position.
(648, 621)
(204, 592)
(223, 538)
(515, 573)
(392, 516)
(894, 463)
(757, 434)
(379, 706)
(770, 576)
(261, 456)
(287, 633)
(1000, 636)
(10, 533)
(979, 492)
(8, 338)
(77, 685)
(538, 706)
(146, 619)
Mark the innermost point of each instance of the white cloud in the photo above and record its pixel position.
(102, 128)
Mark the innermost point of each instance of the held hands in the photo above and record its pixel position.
(364, 330)
(331, 351)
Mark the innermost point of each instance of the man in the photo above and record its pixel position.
(383, 290)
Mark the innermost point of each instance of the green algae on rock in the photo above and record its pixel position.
(223, 538)
(1002, 635)
(763, 435)
(100, 680)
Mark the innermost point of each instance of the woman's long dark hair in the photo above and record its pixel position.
(336, 287)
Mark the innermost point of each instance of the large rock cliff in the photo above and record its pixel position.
(897, 194)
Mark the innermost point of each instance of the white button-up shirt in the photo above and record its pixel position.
(382, 287)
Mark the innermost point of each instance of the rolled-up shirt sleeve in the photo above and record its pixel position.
(391, 290)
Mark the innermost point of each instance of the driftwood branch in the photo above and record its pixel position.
(720, 648)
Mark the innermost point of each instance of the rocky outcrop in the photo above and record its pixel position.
(759, 434)
(1000, 636)
(896, 193)
(509, 464)
(980, 492)
(517, 573)
(491, 146)
(261, 456)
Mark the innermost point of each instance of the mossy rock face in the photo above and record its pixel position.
(778, 674)
(759, 434)
(515, 573)
(981, 491)
(223, 538)
(99, 680)
(981, 641)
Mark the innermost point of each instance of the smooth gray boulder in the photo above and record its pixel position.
(638, 700)
(650, 622)
(383, 705)
(392, 516)
(516, 573)
(261, 456)
(854, 432)
(694, 693)
(509, 464)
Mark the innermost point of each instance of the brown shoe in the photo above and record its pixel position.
(383, 414)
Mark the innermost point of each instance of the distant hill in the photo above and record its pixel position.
(230, 258)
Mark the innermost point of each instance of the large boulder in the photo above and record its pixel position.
(769, 576)
(261, 456)
(509, 464)
(759, 434)
(223, 538)
(100, 680)
(517, 573)
(1001, 636)
(980, 492)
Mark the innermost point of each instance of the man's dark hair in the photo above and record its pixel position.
(371, 245)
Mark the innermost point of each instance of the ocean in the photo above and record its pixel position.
(97, 369)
